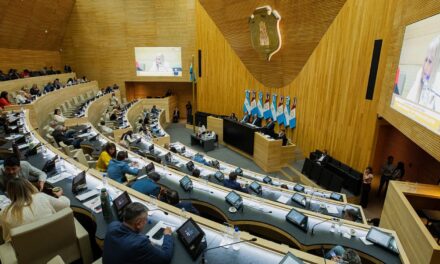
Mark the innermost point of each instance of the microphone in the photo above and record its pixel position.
(230, 244)
(331, 219)
(311, 199)
(157, 209)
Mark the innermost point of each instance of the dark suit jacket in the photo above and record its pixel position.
(123, 245)
(233, 185)
(257, 122)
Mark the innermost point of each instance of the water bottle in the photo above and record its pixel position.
(104, 180)
(236, 238)
(105, 204)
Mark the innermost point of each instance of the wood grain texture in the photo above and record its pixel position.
(216, 124)
(33, 24)
(332, 112)
(407, 12)
(267, 153)
(33, 60)
(103, 47)
(399, 215)
(302, 25)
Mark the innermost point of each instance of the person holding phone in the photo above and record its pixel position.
(13, 168)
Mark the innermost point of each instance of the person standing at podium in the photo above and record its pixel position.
(366, 186)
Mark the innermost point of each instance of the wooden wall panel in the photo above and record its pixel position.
(302, 25)
(332, 112)
(103, 47)
(21, 59)
(33, 24)
(409, 11)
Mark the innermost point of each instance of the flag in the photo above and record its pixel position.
(287, 112)
(260, 104)
(273, 107)
(247, 105)
(192, 75)
(266, 107)
(280, 111)
(292, 117)
(254, 108)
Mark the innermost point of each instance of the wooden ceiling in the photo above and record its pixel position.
(23, 23)
(302, 26)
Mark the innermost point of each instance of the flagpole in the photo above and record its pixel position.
(193, 95)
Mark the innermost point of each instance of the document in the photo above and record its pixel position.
(58, 177)
(365, 241)
(331, 209)
(283, 199)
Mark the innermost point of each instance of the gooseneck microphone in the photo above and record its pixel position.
(230, 244)
(157, 209)
(331, 219)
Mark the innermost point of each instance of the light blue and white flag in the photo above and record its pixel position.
(273, 107)
(280, 111)
(247, 103)
(254, 107)
(292, 116)
(260, 105)
(192, 75)
(287, 112)
(266, 107)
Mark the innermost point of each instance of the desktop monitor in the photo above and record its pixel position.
(383, 239)
(93, 138)
(33, 151)
(186, 184)
(255, 187)
(50, 164)
(149, 167)
(79, 182)
(239, 171)
(151, 148)
(120, 203)
(299, 188)
(182, 150)
(168, 157)
(336, 196)
(137, 141)
(267, 180)
(298, 219)
(289, 258)
(215, 164)
(190, 165)
(192, 238)
(234, 199)
(299, 199)
(219, 176)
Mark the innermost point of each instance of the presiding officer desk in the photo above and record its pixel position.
(261, 251)
(267, 217)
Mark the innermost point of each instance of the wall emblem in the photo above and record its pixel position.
(264, 25)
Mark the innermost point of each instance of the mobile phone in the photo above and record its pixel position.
(159, 234)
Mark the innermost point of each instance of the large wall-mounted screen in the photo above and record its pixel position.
(158, 61)
(417, 84)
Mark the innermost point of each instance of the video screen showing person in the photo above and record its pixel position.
(417, 84)
(158, 61)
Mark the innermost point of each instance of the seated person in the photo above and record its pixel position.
(269, 127)
(196, 173)
(282, 135)
(323, 158)
(341, 255)
(176, 115)
(148, 185)
(245, 118)
(126, 242)
(28, 205)
(60, 134)
(232, 182)
(352, 214)
(172, 197)
(20, 98)
(106, 155)
(154, 110)
(13, 167)
(117, 168)
(114, 114)
(256, 121)
(57, 84)
(52, 125)
(114, 100)
(128, 137)
(100, 92)
(58, 116)
(48, 88)
(199, 158)
(105, 129)
(233, 117)
(34, 90)
(201, 129)
(4, 101)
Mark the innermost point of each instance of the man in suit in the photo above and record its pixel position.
(232, 183)
(126, 243)
(176, 115)
(282, 135)
(323, 158)
(245, 118)
(256, 121)
(268, 129)
(148, 186)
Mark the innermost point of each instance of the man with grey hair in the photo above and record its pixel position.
(126, 243)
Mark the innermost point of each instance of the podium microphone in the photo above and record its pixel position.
(157, 209)
(230, 244)
(331, 219)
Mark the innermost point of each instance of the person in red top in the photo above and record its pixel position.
(4, 99)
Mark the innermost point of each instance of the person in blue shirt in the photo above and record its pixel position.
(126, 243)
(232, 182)
(117, 169)
(148, 186)
(172, 197)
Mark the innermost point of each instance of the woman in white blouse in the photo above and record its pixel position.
(28, 205)
(58, 116)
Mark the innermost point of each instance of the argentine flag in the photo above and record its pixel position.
(292, 116)
(254, 107)
(273, 107)
(266, 107)
(247, 105)
(192, 76)
(260, 104)
(287, 112)
(280, 111)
